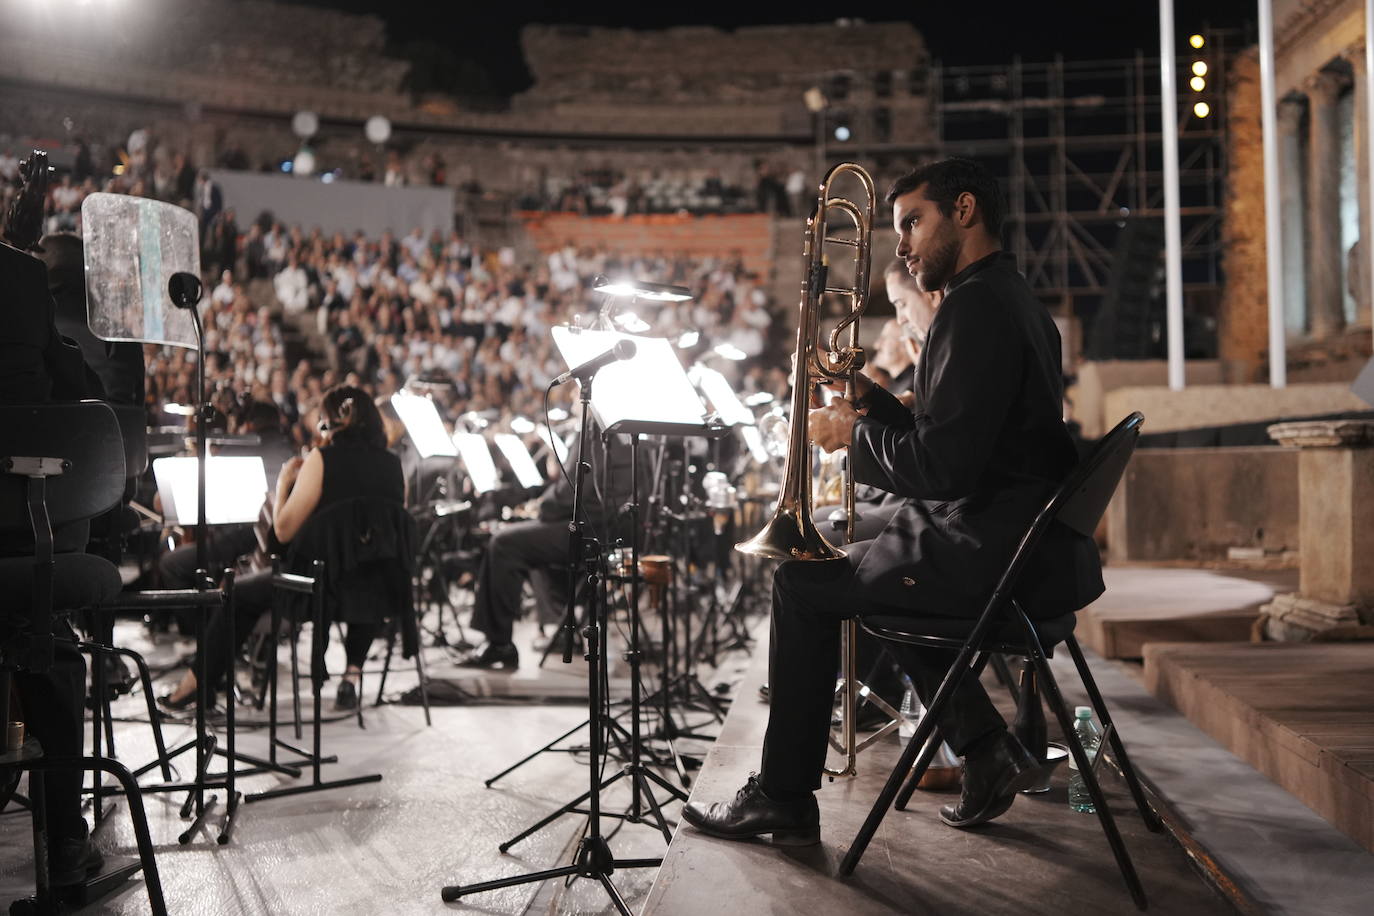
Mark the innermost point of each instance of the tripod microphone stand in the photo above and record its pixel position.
(593, 859)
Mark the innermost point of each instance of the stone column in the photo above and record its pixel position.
(1335, 597)
(1325, 295)
(1291, 208)
(1358, 274)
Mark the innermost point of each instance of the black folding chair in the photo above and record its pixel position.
(60, 464)
(1003, 627)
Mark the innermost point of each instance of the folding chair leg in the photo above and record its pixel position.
(914, 780)
(1123, 762)
(924, 730)
(1050, 691)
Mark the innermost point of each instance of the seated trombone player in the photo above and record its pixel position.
(973, 462)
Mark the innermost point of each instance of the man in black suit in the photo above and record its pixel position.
(983, 449)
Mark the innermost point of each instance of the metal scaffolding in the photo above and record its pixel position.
(1078, 147)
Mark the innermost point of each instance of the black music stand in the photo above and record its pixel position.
(593, 859)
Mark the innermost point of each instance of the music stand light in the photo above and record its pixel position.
(423, 424)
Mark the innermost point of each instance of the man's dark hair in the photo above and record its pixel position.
(262, 416)
(946, 180)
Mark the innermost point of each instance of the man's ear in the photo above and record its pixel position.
(966, 209)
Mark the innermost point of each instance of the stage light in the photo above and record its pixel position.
(327, 178)
(286, 166)
(1197, 41)
(304, 163)
(758, 399)
(641, 289)
(1202, 109)
(842, 133)
(558, 414)
(688, 340)
(1199, 68)
(729, 351)
(1198, 83)
(521, 425)
(179, 410)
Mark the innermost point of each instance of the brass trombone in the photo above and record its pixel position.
(791, 534)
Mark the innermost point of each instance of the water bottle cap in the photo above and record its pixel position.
(1083, 712)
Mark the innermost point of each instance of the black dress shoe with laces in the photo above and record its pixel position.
(993, 774)
(347, 695)
(73, 860)
(752, 813)
(492, 656)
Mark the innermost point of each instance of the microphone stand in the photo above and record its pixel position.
(593, 859)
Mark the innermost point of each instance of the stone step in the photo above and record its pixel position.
(1300, 713)
(1145, 604)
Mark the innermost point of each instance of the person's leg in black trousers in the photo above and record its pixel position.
(252, 599)
(510, 556)
(54, 710)
(809, 601)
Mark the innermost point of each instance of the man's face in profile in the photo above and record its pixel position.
(927, 240)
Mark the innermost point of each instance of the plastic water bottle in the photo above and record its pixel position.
(1087, 734)
(910, 712)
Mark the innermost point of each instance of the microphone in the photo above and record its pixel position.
(623, 349)
(185, 289)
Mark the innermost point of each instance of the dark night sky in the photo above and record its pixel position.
(487, 32)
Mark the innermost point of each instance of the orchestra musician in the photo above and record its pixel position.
(984, 446)
(351, 462)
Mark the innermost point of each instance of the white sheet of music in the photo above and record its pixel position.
(426, 428)
(477, 459)
(651, 385)
(520, 461)
(235, 488)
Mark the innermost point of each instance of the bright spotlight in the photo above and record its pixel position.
(1202, 109)
(1199, 68)
(1197, 41)
(842, 133)
(1198, 83)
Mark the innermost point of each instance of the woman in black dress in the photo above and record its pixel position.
(352, 463)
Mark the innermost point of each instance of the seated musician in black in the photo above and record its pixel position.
(528, 550)
(983, 449)
(352, 463)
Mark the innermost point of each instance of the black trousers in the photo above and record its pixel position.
(54, 710)
(252, 599)
(809, 601)
(513, 554)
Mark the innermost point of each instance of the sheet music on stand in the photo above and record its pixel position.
(648, 393)
(422, 421)
(560, 448)
(472, 448)
(520, 461)
(235, 487)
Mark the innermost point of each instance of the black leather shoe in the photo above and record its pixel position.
(752, 813)
(171, 705)
(505, 657)
(347, 695)
(992, 776)
(73, 861)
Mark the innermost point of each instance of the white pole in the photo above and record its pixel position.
(1273, 223)
(1365, 219)
(1173, 235)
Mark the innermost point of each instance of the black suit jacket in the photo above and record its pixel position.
(977, 459)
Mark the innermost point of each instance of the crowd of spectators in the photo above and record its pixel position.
(391, 309)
